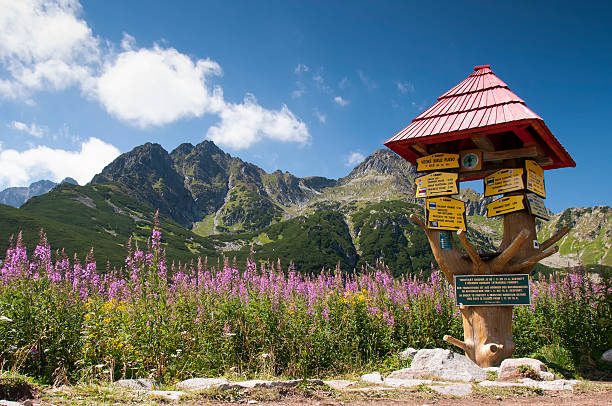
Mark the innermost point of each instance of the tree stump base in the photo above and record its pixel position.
(487, 330)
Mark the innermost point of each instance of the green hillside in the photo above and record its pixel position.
(78, 217)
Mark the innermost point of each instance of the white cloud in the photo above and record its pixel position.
(41, 162)
(367, 82)
(340, 101)
(405, 87)
(321, 85)
(343, 83)
(246, 123)
(301, 68)
(296, 94)
(32, 129)
(354, 158)
(157, 86)
(45, 46)
(320, 116)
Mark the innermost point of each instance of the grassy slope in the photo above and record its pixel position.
(78, 217)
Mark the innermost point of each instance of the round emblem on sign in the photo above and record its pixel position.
(470, 161)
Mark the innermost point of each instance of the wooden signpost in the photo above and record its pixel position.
(445, 213)
(510, 152)
(503, 181)
(505, 205)
(437, 184)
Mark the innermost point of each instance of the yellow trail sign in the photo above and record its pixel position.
(438, 161)
(535, 178)
(437, 184)
(504, 180)
(445, 213)
(537, 207)
(507, 204)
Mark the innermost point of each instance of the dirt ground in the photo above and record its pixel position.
(561, 399)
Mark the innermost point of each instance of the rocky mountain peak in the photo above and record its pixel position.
(382, 161)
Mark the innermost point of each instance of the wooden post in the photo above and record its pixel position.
(487, 330)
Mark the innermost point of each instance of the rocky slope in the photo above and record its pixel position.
(16, 196)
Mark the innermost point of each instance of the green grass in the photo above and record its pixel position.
(205, 227)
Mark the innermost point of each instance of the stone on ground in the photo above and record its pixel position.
(194, 384)
(457, 389)
(166, 394)
(509, 368)
(137, 384)
(258, 383)
(607, 356)
(408, 353)
(557, 385)
(340, 384)
(405, 383)
(374, 377)
(441, 364)
(9, 403)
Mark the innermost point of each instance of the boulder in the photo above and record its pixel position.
(194, 384)
(166, 394)
(457, 389)
(137, 384)
(509, 368)
(408, 353)
(374, 377)
(441, 364)
(607, 356)
(405, 383)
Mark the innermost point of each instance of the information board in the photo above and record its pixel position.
(504, 180)
(537, 207)
(445, 213)
(535, 178)
(492, 290)
(437, 184)
(438, 161)
(506, 204)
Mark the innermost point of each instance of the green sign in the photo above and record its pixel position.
(492, 290)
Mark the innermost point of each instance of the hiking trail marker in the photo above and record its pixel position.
(480, 129)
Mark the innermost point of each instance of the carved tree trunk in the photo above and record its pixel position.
(487, 330)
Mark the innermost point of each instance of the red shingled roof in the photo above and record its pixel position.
(482, 103)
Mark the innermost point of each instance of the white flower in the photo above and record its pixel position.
(4, 318)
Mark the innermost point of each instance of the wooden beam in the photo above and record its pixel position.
(420, 148)
(483, 142)
(544, 161)
(476, 174)
(526, 152)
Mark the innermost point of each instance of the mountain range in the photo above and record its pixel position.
(16, 196)
(211, 203)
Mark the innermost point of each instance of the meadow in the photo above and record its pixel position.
(65, 320)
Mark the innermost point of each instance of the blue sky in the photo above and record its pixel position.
(308, 87)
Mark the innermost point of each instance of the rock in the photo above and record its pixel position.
(509, 368)
(9, 403)
(340, 384)
(458, 389)
(408, 353)
(137, 384)
(405, 383)
(441, 364)
(374, 377)
(258, 383)
(607, 356)
(557, 385)
(547, 376)
(167, 394)
(201, 383)
(491, 369)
